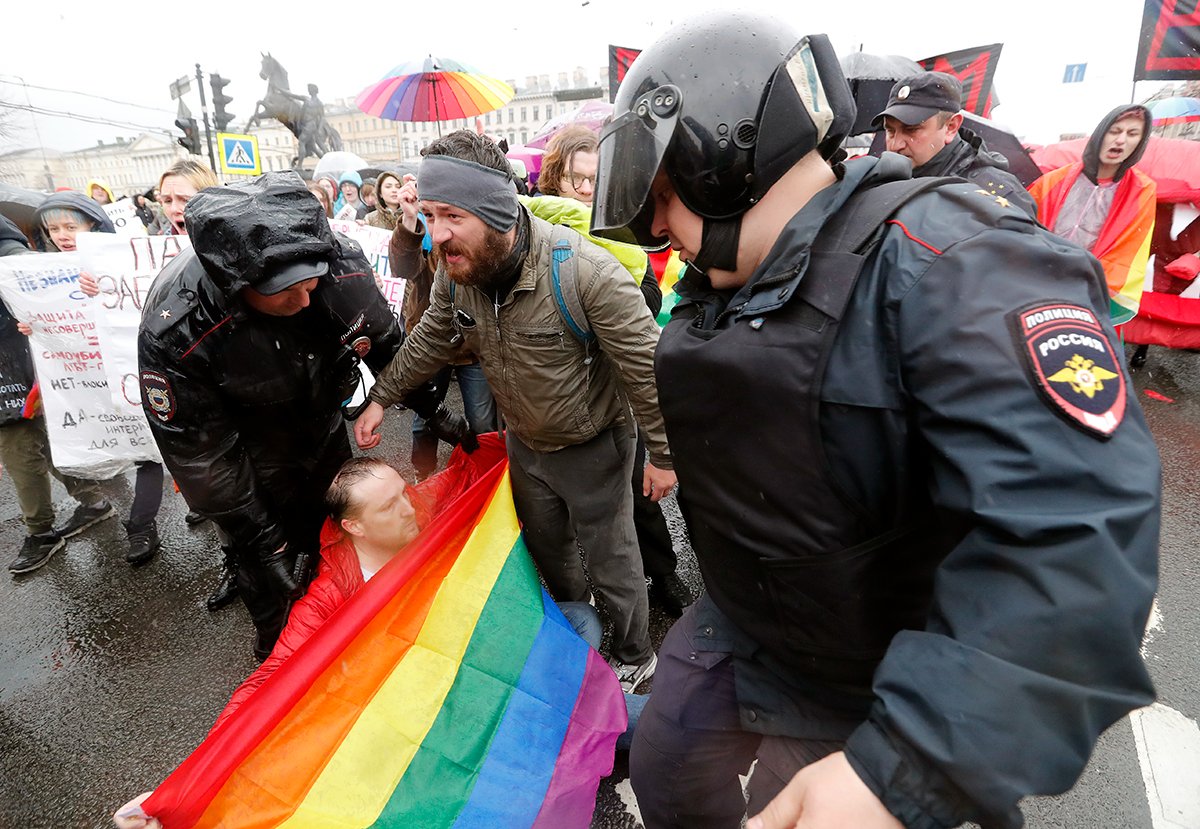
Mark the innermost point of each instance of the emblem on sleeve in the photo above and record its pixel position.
(1072, 364)
(156, 391)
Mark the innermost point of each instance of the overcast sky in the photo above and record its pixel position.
(120, 53)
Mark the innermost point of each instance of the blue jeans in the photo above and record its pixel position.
(586, 621)
(478, 406)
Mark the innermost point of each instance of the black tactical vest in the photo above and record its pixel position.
(785, 553)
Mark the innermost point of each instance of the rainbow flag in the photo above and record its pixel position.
(1123, 246)
(448, 692)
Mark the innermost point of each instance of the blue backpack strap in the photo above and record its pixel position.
(564, 275)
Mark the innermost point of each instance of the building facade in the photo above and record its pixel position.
(133, 165)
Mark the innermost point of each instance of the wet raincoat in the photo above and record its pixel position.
(245, 407)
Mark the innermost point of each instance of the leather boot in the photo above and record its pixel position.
(143, 543)
(227, 588)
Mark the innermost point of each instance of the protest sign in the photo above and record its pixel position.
(125, 218)
(374, 242)
(124, 269)
(89, 436)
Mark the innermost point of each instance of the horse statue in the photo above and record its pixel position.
(305, 117)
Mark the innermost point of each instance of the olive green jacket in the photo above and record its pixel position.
(552, 389)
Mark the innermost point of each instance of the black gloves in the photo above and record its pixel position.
(450, 426)
(278, 569)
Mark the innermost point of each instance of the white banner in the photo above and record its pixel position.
(125, 218)
(374, 242)
(89, 436)
(124, 269)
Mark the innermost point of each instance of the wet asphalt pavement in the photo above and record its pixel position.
(109, 675)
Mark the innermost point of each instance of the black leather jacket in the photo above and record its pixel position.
(246, 408)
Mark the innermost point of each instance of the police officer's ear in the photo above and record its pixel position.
(953, 125)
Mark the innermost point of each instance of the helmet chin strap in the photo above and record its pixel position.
(719, 245)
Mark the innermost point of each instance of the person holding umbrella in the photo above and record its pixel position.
(923, 122)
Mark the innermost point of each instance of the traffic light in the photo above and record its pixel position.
(191, 135)
(221, 118)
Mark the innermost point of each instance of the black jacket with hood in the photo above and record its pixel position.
(969, 158)
(246, 407)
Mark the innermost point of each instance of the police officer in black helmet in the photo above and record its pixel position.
(924, 501)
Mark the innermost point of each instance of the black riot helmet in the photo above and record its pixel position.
(727, 104)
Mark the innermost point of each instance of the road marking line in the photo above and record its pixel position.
(1168, 748)
(1154, 624)
(625, 791)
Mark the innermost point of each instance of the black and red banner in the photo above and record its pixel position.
(1169, 44)
(975, 69)
(620, 58)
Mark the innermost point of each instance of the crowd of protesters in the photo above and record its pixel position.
(764, 665)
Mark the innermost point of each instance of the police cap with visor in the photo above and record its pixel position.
(726, 104)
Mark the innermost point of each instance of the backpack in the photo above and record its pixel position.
(564, 280)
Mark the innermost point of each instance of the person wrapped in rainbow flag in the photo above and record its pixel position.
(1106, 206)
(426, 678)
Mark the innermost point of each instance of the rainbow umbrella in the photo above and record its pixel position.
(433, 89)
(1175, 111)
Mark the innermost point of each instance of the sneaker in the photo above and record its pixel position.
(671, 594)
(143, 543)
(631, 676)
(36, 551)
(85, 517)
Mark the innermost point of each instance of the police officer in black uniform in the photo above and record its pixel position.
(248, 348)
(922, 495)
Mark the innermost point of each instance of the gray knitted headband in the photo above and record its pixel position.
(487, 193)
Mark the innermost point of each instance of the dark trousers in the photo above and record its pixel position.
(147, 495)
(301, 515)
(690, 748)
(578, 497)
(25, 453)
(654, 539)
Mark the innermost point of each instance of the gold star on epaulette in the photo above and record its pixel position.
(1000, 200)
(166, 314)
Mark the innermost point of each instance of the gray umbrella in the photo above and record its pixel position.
(871, 79)
(19, 205)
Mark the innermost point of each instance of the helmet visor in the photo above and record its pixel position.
(631, 150)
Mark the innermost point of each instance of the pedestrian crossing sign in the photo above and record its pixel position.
(239, 154)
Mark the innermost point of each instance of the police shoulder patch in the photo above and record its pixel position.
(157, 392)
(1072, 364)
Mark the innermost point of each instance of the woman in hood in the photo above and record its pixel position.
(1106, 206)
(99, 191)
(63, 215)
(387, 202)
(349, 204)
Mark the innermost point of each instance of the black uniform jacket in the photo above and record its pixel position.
(246, 408)
(970, 158)
(949, 530)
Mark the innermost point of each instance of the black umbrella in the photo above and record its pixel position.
(998, 139)
(19, 205)
(871, 79)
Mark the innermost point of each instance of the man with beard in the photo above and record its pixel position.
(565, 395)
